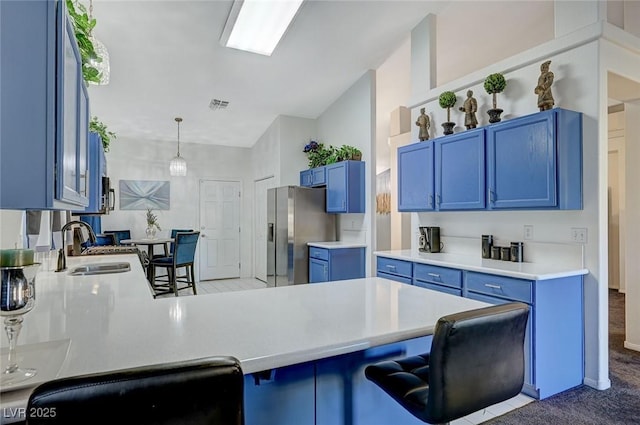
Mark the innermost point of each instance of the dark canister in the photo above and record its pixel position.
(495, 252)
(505, 253)
(487, 243)
(517, 252)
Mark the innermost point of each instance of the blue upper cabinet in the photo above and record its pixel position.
(306, 178)
(415, 177)
(313, 177)
(97, 169)
(345, 187)
(535, 162)
(447, 173)
(44, 110)
(459, 171)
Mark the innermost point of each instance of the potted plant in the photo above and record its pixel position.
(106, 136)
(318, 154)
(152, 224)
(447, 99)
(344, 153)
(495, 83)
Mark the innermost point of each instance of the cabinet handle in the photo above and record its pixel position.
(326, 273)
(390, 267)
(344, 204)
(438, 198)
(431, 201)
(433, 274)
(493, 286)
(492, 196)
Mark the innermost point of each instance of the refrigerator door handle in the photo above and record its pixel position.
(270, 232)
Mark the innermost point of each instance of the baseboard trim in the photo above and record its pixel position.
(598, 385)
(630, 346)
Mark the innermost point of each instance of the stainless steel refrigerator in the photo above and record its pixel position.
(295, 216)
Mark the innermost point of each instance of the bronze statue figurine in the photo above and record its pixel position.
(424, 123)
(469, 107)
(543, 89)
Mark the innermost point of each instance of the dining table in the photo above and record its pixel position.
(150, 243)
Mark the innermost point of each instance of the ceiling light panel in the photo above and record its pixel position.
(259, 25)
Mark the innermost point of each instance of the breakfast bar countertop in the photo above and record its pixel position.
(111, 321)
(531, 271)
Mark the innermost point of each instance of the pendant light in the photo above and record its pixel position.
(178, 166)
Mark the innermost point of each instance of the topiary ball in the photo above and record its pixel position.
(447, 99)
(495, 83)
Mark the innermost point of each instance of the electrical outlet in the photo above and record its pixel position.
(579, 234)
(528, 232)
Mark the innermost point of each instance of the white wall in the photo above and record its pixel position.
(130, 159)
(11, 229)
(295, 133)
(350, 120)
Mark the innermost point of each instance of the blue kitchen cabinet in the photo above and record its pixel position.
(554, 359)
(441, 279)
(398, 270)
(535, 161)
(306, 178)
(345, 187)
(327, 265)
(447, 173)
(283, 396)
(415, 177)
(44, 109)
(554, 355)
(344, 396)
(460, 171)
(313, 177)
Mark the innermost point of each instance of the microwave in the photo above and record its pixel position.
(102, 204)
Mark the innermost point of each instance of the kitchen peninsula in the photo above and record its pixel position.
(302, 347)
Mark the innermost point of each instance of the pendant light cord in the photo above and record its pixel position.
(178, 120)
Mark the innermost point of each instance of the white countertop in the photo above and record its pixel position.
(111, 321)
(337, 245)
(531, 271)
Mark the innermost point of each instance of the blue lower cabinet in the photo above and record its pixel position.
(327, 265)
(284, 396)
(441, 279)
(554, 342)
(398, 270)
(344, 396)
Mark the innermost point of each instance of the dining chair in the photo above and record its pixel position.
(197, 392)
(119, 235)
(476, 360)
(184, 250)
(173, 236)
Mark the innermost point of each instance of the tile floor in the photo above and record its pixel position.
(224, 285)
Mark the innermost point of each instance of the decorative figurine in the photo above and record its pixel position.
(543, 89)
(446, 100)
(494, 83)
(425, 124)
(469, 107)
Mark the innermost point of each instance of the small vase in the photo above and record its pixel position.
(448, 127)
(151, 232)
(494, 115)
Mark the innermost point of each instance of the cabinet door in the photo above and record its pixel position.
(529, 384)
(521, 159)
(318, 270)
(318, 177)
(71, 103)
(415, 177)
(345, 187)
(459, 171)
(305, 178)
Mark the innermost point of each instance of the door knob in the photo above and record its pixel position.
(203, 236)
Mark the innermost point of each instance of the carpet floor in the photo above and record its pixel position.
(619, 404)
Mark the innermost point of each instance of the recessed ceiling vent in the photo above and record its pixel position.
(217, 104)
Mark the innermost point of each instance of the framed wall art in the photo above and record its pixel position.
(144, 194)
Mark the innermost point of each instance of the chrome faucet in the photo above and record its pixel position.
(62, 256)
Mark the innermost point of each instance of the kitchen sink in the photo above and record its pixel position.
(100, 268)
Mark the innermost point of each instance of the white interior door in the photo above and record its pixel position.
(260, 227)
(219, 229)
(617, 234)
